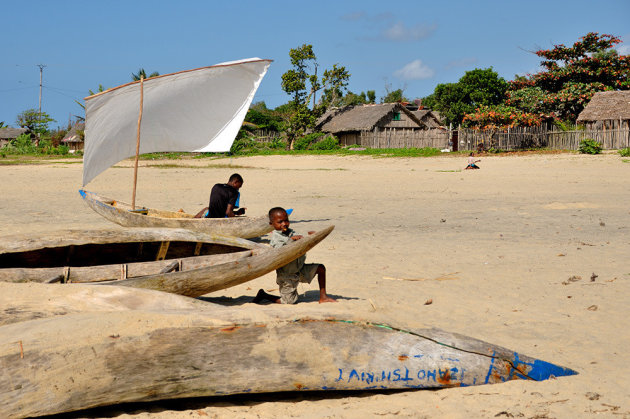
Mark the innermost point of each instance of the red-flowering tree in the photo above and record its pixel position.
(569, 79)
(571, 76)
(502, 116)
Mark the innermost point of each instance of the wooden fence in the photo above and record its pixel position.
(267, 136)
(397, 138)
(519, 138)
(541, 137)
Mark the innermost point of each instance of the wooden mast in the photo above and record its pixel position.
(135, 167)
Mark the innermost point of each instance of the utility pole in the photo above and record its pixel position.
(41, 71)
(315, 92)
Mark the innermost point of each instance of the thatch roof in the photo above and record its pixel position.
(606, 106)
(74, 136)
(11, 133)
(428, 117)
(361, 118)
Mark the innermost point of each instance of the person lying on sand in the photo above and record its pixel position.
(291, 274)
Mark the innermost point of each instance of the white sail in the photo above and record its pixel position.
(196, 110)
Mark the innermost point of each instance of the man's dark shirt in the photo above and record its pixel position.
(221, 195)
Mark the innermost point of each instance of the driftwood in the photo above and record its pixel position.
(171, 260)
(183, 349)
(122, 213)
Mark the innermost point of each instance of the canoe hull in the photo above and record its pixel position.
(166, 355)
(238, 260)
(119, 213)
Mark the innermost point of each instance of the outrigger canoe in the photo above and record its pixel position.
(174, 349)
(121, 213)
(138, 118)
(171, 260)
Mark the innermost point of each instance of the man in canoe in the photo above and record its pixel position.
(224, 199)
(291, 274)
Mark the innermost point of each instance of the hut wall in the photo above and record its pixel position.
(396, 138)
(404, 122)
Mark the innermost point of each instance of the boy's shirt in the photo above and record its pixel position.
(279, 239)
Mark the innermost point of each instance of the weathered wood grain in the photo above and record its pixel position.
(144, 355)
(195, 275)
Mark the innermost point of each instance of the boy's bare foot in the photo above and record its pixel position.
(259, 297)
(326, 299)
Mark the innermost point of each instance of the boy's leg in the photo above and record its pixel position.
(321, 279)
(262, 295)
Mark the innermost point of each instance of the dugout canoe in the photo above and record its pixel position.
(171, 260)
(121, 213)
(176, 349)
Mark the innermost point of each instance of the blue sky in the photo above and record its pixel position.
(413, 45)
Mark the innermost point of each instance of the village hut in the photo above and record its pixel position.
(608, 116)
(388, 125)
(428, 117)
(74, 137)
(8, 134)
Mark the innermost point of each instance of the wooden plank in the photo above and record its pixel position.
(161, 255)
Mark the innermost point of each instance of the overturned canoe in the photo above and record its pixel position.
(121, 213)
(187, 349)
(172, 260)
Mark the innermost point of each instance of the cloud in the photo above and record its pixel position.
(399, 32)
(354, 16)
(415, 70)
(623, 49)
(461, 62)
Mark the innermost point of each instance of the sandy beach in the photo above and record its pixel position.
(530, 253)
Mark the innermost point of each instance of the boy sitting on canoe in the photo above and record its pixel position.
(291, 274)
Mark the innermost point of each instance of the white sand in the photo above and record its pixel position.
(493, 249)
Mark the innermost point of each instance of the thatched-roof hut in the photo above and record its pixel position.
(607, 118)
(74, 137)
(606, 108)
(428, 117)
(388, 125)
(7, 134)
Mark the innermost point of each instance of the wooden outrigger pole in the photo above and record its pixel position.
(135, 167)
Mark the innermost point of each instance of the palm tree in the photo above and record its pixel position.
(142, 74)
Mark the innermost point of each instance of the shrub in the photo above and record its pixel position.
(303, 143)
(590, 146)
(241, 144)
(23, 145)
(328, 143)
(625, 152)
(62, 150)
(277, 144)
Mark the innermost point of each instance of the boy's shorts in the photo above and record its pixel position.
(288, 284)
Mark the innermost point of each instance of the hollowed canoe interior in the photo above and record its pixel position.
(109, 254)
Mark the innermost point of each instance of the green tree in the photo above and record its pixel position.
(476, 88)
(300, 84)
(358, 99)
(571, 76)
(142, 74)
(34, 121)
(264, 118)
(334, 83)
(394, 96)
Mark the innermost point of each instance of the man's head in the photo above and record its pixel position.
(279, 219)
(236, 181)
